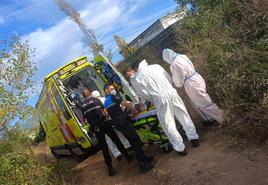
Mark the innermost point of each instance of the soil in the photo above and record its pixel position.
(221, 159)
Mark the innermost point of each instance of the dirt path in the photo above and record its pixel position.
(220, 159)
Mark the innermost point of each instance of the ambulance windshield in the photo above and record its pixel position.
(84, 78)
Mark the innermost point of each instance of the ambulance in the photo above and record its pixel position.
(57, 107)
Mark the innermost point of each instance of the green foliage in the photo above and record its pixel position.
(16, 71)
(19, 165)
(5, 147)
(22, 168)
(232, 37)
(236, 53)
(16, 136)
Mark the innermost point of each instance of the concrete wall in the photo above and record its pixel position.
(146, 36)
(156, 28)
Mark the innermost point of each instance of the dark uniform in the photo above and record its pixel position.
(92, 109)
(123, 123)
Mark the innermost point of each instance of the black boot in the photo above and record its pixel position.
(129, 158)
(131, 148)
(145, 166)
(119, 158)
(111, 170)
(195, 142)
(209, 123)
(149, 158)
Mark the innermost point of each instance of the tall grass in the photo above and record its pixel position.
(231, 39)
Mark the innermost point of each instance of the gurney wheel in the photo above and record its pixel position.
(167, 148)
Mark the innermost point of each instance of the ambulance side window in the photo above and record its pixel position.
(60, 103)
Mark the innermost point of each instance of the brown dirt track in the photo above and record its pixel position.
(221, 159)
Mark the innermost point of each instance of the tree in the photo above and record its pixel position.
(16, 85)
(125, 49)
(182, 3)
(89, 34)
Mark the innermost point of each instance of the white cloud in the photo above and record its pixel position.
(33, 11)
(2, 20)
(63, 42)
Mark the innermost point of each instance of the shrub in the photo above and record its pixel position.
(231, 37)
(21, 168)
(5, 147)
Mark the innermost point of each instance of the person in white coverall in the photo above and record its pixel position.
(153, 83)
(183, 73)
(115, 152)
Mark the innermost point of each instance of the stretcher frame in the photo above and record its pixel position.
(150, 131)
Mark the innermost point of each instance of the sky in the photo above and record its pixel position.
(58, 40)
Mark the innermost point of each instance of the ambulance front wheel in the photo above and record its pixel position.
(167, 148)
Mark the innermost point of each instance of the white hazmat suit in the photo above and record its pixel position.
(183, 73)
(153, 83)
(110, 143)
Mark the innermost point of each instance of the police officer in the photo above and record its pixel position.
(123, 123)
(96, 115)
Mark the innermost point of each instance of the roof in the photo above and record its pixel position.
(159, 22)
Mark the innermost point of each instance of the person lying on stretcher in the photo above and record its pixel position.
(134, 109)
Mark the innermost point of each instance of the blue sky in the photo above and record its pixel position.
(58, 40)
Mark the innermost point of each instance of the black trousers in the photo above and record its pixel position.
(100, 135)
(124, 125)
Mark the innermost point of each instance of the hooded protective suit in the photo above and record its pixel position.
(111, 145)
(183, 73)
(153, 84)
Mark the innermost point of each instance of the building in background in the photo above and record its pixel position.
(156, 28)
(163, 33)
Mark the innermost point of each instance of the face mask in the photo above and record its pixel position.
(113, 92)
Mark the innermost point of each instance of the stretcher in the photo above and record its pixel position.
(150, 131)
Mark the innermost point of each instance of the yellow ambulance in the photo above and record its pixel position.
(58, 114)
